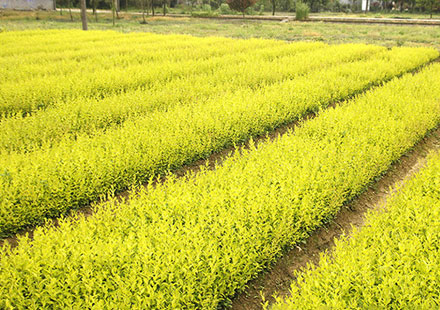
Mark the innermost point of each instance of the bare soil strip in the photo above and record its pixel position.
(331, 19)
(368, 20)
(326, 19)
(278, 279)
(211, 161)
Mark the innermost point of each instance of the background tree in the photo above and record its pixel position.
(412, 4)
(240, 5)
(144, 6)
(192, 4)
(69, 3)
(274, 4)
(94, 9)
(287, 5)
(83, 14)
(429, 5)
(153, 4)
(164, 5)
(316, 5)
(115, 10)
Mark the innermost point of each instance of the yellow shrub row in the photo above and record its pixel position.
(391, 263)
(192, 243)
(225, 76)
(123, 52)
(50, 180)
(31, 91)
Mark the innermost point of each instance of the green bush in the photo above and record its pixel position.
(302, 11)
(250, 11)
(206, 8)
(224, 9)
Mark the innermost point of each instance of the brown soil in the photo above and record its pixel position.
(278, 279)
(287, 18)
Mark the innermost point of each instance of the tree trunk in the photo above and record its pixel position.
(126, 5)
(432, 2)
(83, 14)
(164, 8)
(113, 12)
(143, 12)
(152, 7)
(273, 7)
(117, 8)
(70, 11)
(94, 10)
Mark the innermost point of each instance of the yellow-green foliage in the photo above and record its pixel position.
(191, 243)
(391, 263)
(141, 62)
(252, 70)
(71, 153)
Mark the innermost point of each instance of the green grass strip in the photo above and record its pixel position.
(193, 243)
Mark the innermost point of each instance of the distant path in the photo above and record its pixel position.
(373, 20)
(326, 19)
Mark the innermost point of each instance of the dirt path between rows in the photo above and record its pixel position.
(280, 276)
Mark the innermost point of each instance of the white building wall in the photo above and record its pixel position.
(27, 4)
(364, 5)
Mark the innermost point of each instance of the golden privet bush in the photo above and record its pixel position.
(193, 242)
(391, 263)
(60, 168)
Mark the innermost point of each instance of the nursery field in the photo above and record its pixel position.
(85, 116)
(393, 262)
